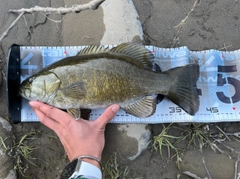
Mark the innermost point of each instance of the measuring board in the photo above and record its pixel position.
(218, 84)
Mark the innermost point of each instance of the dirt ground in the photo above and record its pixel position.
(213, 24)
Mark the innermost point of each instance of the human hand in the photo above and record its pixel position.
(78, 137)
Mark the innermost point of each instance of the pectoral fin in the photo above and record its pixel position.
(76, 113)
(75, 90)
(142, 108)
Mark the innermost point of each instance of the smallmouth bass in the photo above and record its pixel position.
(97, 77)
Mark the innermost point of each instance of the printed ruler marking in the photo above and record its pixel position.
(217, 84)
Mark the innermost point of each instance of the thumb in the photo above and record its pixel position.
(107, 115)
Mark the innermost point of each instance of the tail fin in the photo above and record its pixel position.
(183, 91)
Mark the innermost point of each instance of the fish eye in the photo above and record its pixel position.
(30, 80)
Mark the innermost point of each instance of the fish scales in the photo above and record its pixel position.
(108, 80)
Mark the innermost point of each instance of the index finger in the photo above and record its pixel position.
(51, 112)
(50, 123)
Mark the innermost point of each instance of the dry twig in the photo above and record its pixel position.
(205, 166)
(236, 174)
(179, 26)
(204, 163)
(94, 4)
(11, 26)
(61, 10)
(225, 47)
(193, 175)
(235, 135)
(230, 148)
(223, 133)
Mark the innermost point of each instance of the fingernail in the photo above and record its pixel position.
(115, 108)
(32, 104)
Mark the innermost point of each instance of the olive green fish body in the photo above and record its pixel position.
(97, 77)
(105, 81)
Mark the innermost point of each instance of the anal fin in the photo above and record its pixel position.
(142, 108)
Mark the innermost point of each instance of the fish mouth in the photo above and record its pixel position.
(20, 91)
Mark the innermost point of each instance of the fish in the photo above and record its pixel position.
(97, 77)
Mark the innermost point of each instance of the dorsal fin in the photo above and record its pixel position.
(93, 49)
(135, 51)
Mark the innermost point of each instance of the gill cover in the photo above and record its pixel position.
(40, 87)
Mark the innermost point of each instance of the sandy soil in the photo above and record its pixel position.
(212, 25)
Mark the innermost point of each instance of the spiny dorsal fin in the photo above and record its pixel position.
(135, 51)
(142, 108)
(93, 49)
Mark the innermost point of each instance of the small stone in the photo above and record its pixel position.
(5, 124)
(141, 133)
(191, 33)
